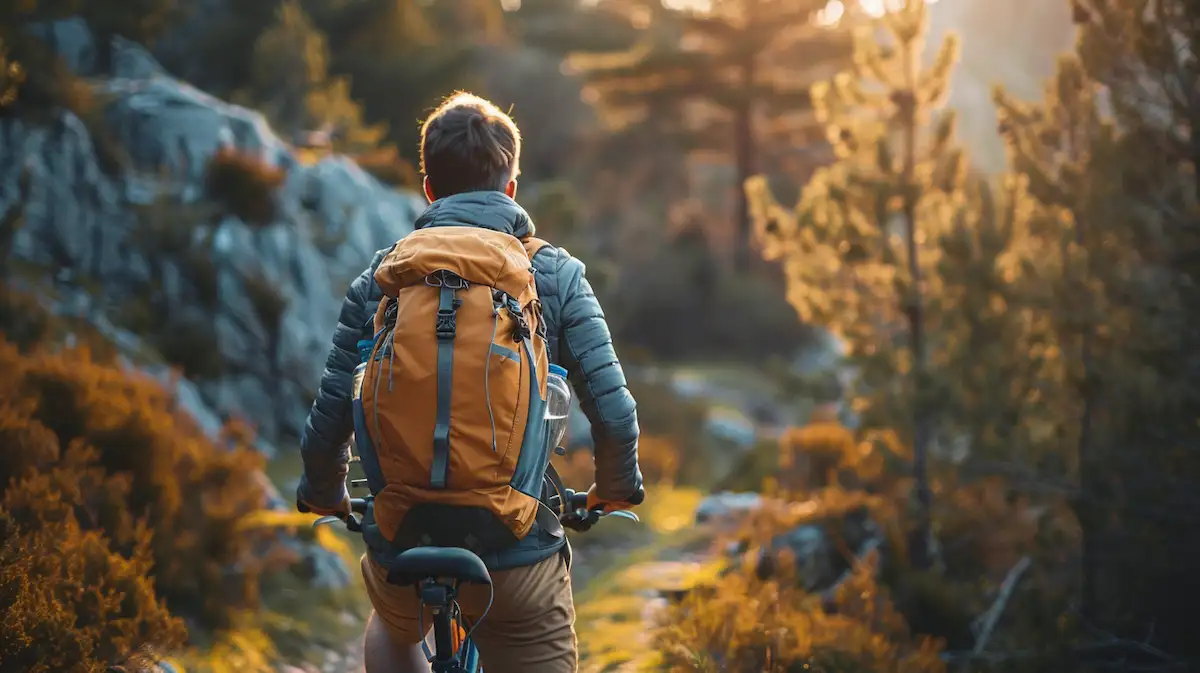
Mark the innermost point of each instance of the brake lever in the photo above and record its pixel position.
(589, 517)
(353, 523)
(624, 514)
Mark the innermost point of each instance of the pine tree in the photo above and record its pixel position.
(291, 83)
(1059, 145)
(712, 75)
(400, 64)
(1122, 194)
(858, 245)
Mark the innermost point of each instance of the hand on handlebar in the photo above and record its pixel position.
(341, 511)
(351, 515)
(584, 509)
(609, 506)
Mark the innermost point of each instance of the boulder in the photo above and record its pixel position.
(81, 222)
(815, 544)
(727, 506)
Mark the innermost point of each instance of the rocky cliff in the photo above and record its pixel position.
(84, 230)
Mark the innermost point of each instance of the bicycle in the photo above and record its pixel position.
(437, 573)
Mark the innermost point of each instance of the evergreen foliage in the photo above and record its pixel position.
(712, 76)
(291, 84)
(864, 235)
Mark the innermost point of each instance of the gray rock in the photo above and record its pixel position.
(82, 221)
(73, 41)
(814, 554)
(323, 569)
(727, 506)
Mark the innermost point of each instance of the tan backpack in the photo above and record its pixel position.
(453, 394)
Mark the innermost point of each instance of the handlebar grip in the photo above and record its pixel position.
(577, 499)
(358, 505)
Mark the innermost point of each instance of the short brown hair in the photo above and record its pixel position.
(469, 145)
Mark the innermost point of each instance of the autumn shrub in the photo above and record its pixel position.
(143, 469)
(983, 529)
(825, 453)
(244, 185)
(744, 623)
(73, 599)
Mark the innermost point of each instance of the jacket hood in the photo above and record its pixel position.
(489, 210)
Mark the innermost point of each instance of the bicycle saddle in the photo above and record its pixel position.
(421, 563)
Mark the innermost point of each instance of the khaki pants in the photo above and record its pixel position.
(530, 627)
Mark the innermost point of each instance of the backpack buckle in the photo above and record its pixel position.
(521, 331)
(446, 324)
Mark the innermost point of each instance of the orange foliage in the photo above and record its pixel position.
(746, 624)
(244, 185)
(70, 601)
(93, 447)
(825, 453)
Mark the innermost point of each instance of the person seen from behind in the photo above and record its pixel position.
(432, 454)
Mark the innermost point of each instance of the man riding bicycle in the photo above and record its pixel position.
(460, 460)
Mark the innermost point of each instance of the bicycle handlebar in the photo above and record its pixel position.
(575, 516)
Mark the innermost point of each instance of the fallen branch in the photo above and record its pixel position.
(989, 619)
(829, 596)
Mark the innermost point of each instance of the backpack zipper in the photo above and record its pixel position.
(487, 369)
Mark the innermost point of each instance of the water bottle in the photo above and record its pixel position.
(365, 347)
(558, 405)
(361, 449)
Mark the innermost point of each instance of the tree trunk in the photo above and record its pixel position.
(919, 548)
(1091, 479)
(744, 151)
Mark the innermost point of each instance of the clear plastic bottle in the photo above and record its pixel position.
(558, 405)
(365, 347)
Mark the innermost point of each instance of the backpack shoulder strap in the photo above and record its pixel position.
(533, 245)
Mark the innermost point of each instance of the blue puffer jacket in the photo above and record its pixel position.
(579, 341)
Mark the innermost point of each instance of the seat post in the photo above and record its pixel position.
(439, 598)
